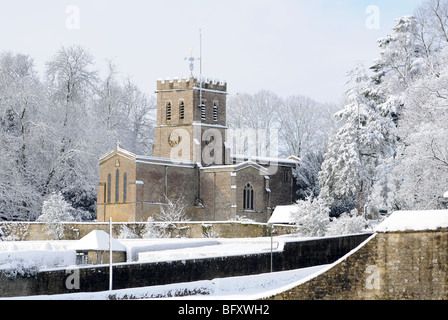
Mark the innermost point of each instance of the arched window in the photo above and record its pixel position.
(168, 112)
(248, 197)
(125, 187)
(181, 111)
(215, 112)
(109, 186)
(117, 186)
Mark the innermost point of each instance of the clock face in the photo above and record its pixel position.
(174, 139)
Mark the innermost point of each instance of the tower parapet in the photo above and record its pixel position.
(185, 83)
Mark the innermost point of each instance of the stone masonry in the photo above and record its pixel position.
(391, 266)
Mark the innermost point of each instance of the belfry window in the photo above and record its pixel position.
(248, 197)
(168, 112)
(117, 186)
(203, 114)
(215, 112)
(181, 111)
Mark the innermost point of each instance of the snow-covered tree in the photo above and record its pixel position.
(307, 174)
(173, 211)
(311, 217)
(20, 104)
(152, 230)
(358, 148)
(54, 211)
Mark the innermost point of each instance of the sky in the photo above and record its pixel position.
(290, 47)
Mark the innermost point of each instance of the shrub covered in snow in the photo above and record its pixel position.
(126, 232)
(311, 217)
(54, 211)
(347, 224)
(151, 230)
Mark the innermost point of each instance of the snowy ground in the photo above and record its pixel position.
(45, 255)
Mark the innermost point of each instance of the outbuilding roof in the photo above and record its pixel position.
(98, 240)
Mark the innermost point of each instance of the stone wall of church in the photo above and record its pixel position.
(281, 186)
(178, 183)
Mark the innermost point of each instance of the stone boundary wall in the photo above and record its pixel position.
(129, 275)
(391, 266)
(27, 231)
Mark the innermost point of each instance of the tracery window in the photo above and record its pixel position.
(248, 197)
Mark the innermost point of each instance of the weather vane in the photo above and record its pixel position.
(192, 60)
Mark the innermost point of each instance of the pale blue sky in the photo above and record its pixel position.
(286, 46)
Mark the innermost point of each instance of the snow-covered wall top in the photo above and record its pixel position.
(415, 221)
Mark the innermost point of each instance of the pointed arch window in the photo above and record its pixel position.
(117, 185)
(109, 186)
(248, 197)
(125, 187)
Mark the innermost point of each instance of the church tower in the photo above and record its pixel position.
(191, 121)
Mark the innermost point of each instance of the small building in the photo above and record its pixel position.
(94, 249)
(283, 215)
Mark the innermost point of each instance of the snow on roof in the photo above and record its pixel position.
(98, 240)
(283, 214)
(414, 221)
(445, 195)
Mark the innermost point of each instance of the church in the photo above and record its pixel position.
(192, 162)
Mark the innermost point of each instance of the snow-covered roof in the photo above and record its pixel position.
(283, 215)
(97, 240)
(266, 160)
(445, 195)
(414, 221)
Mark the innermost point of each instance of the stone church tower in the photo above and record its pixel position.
(192, 163)
(191, 115)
